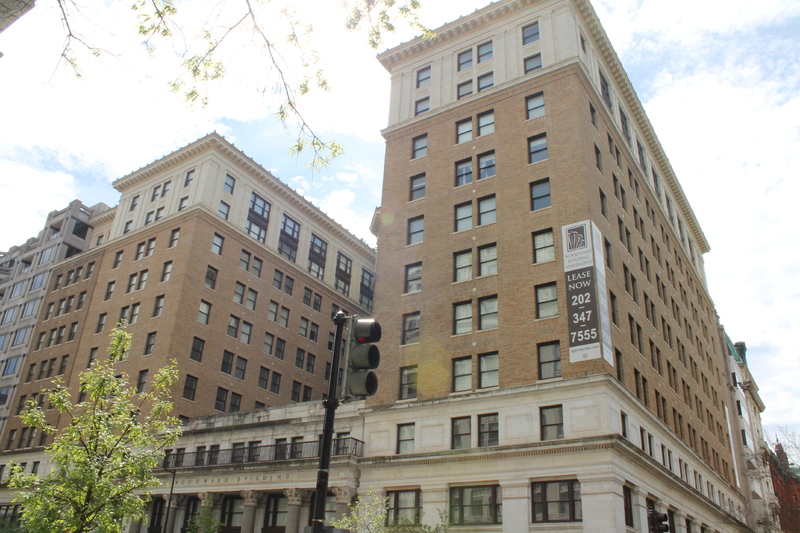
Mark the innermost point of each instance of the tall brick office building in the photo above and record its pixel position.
(551, 358)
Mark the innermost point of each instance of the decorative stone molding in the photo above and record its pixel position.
(297, 496)
(344, 494)
(251, 497)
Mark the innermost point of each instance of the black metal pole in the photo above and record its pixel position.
(169, 499)
(330, 403)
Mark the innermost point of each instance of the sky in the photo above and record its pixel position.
(719, 80)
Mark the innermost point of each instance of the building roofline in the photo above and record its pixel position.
(504, 8)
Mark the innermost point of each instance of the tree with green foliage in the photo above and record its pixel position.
(204, 521)
(103, 461)
(370, 515)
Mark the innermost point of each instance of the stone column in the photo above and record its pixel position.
(516, 506)
(344, 497)
(178, 501)
(251, 501)
(296, 498)
(212, 500)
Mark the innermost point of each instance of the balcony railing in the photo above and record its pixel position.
(262, 454)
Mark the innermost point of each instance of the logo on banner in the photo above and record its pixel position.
(576, 238)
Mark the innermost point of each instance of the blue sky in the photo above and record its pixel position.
(720, 81)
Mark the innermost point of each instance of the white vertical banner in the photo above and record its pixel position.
(587, 302)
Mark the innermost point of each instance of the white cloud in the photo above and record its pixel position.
(28, 196)
(338, 205)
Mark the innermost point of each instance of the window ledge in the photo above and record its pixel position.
(409, 344)
(540, 161)
(543, 262)
(454, 335)
(489, 329)
(545, 318)
(540, 209)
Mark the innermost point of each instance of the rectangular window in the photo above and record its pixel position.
(530, 33)
(197, 349)
(486, 123)
(288, 239)
(546, 300)
(141, 382)
(543, 247)
(485, 52)
(605, 91)
(461, 433)
(216, 244)
(463, 217)
(488, 430)
(224, 210)
(233, 326)
(465, 60)
(557, 501)
(552, 422)
(416, 229)
(486, 165)
(487, 260)
(462, 318)
(488, 371)
(408, 382)
(241, 368)
(275, 385)
(488, 313)
(419, 146)
(534, 106)
(537, 148)
(229, 184)
(464, 131)
(221, 399)
(462, 374)
(211, 277)
(464, 89)
(158, 307)
(411, 328)
(189, 387)
(533, 63)
(101, 323)
(166, 271)
(485, 81)
(423, 105)
(549, 360)
(417, 187)
(204, 312)
(476, 505)
(487, 210)
(413, 282)
(173, 237)
(150, 343)
(405, 438)
(462, 262)
(423, 77)
(463, 172)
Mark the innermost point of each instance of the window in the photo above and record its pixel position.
(605, 91)
(487, 210)
(485, 81)
(405, 438)
(488, 370)
(488, 313)
(183, 204)
(463, 172)
(174, 236)
(486, 123)
(224, 210)
(416, 228)
(465, 60)
(464, 131)
(408, 382)
(543, 248)
(462, 318)
(419, 146)
(422, 105)
(487, 257)
(221, 400)
(533, 63)
(530, 33)
(229, 184)
(241, 368)
(598, 159)
(540, 194)
(546, 300)
(485, 52)
(476, 505)
(233, 326)
(411, 328)
(537, 148)
(488, 430)
(211, 277)
(290, 232)
(189, 387)
(549, 360)
(557, 501)
(534, 106)
(101, 323)
(486, 165)
(204, 312)
(150, 343)
(275, 385)
(461, 433)
(417, 187)
(627, 497)
(317, 254)
(552, 422)
(464, 89)
(462, 374)
(257, 218)
(216, 244)
(296, 389)
(197, 349)
(141, 382)
(462, 266)
(158, 307)
(463, 217)
(423, 77)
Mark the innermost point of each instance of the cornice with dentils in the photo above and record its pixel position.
(214, 141)
(504, 8)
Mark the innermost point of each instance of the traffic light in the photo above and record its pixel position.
(658, 522)
(363, 358)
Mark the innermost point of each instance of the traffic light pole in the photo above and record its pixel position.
(330, 403)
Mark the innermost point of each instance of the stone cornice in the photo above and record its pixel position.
(105, 216)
